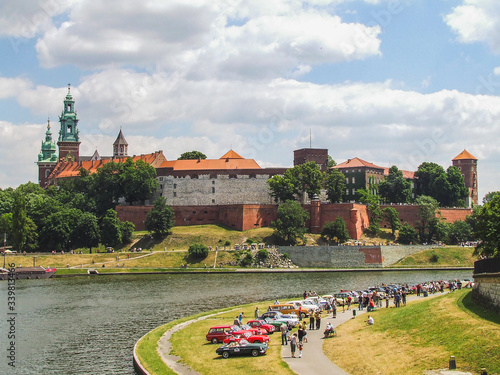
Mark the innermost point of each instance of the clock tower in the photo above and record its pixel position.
(69, 138)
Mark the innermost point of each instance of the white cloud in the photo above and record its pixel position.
(264, 120)
(27, 18)
(206, 39)
(477, 21)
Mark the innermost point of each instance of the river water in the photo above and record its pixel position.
(89, 325)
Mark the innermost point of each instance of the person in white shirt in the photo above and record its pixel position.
(370, 320)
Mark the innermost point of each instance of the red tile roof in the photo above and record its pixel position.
(406, 174)
(465, 155)
(72, 169)
(356, 163)
(230, 160)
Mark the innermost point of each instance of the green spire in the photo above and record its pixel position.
(48, 150)
(69, 120)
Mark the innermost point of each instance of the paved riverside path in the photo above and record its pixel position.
(313, 359)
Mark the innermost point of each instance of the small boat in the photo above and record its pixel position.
(28, 273)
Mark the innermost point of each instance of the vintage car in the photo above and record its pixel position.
(235, 348)
(278, 315)
(248, 337)
(262, 324)
(248, 328)
(220, 333)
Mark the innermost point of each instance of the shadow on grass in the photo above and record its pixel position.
(468, 305)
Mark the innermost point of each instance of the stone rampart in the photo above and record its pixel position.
(487, 283)
(487, 290)
(348, 256)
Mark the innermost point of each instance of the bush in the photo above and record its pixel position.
(263, 254)
(247, 260)
(286, 256)
(434, 258)
(198, 251)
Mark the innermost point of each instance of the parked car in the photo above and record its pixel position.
(276, 318)
(261, 324)
(252, 330)
(236, 348)
(288, 308)
(247, 336)
(220, 333)
(278, 315)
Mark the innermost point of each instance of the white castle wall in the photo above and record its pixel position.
(223, 189)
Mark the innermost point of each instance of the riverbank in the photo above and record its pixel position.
(390, 324)
(221, 261)
(112, 272)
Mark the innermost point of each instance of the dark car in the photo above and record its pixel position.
(236, 348)
(220, 333)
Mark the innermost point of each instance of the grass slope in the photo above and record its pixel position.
(190, 344)
(421, 336)
(447, 256)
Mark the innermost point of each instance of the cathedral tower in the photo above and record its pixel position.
(69, 138)
(467, 163)
(47, 158)
(120, 146)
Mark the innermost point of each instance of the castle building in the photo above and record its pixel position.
(47, 158)
(69, 138)
(467, 163)
(229, 180)
(318, 155)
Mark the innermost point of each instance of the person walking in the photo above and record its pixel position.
(301, 346)
(283, 330)
(311, 321)
(256, 314)
(318, 319)
(293, 344)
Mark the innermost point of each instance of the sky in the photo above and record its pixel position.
(393, 82)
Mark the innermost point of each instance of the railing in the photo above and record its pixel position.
(487, 266)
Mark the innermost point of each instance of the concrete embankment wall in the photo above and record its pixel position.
(487, 290)
(348, 256)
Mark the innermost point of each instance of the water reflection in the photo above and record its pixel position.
(89, 325)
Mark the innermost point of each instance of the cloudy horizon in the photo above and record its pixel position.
(394, 82)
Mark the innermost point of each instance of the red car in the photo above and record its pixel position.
(248, 337)
(262, 324)
(253, 330)
(220, 333)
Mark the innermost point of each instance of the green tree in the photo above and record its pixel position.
(392, 218)
(427, 173)
(86, 232)
(6, 227)
(335, 185)
(407, 234)
(110, 229)
(427, 210)
(290, 224)
(57, 231)
(336, 229)
(331, 163)
(488, 229)
(395, 188)
(487, 198)
(138, 180)
(6, 201)
(192, 155)
(447, 187)
(160, 220)
(127, 229)
(282, 187)
(197, 251)
(20, 225)
(310, 178)
(105, 187)
(457, 192)
(459, 231)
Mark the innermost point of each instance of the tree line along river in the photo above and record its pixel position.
(89, 325)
